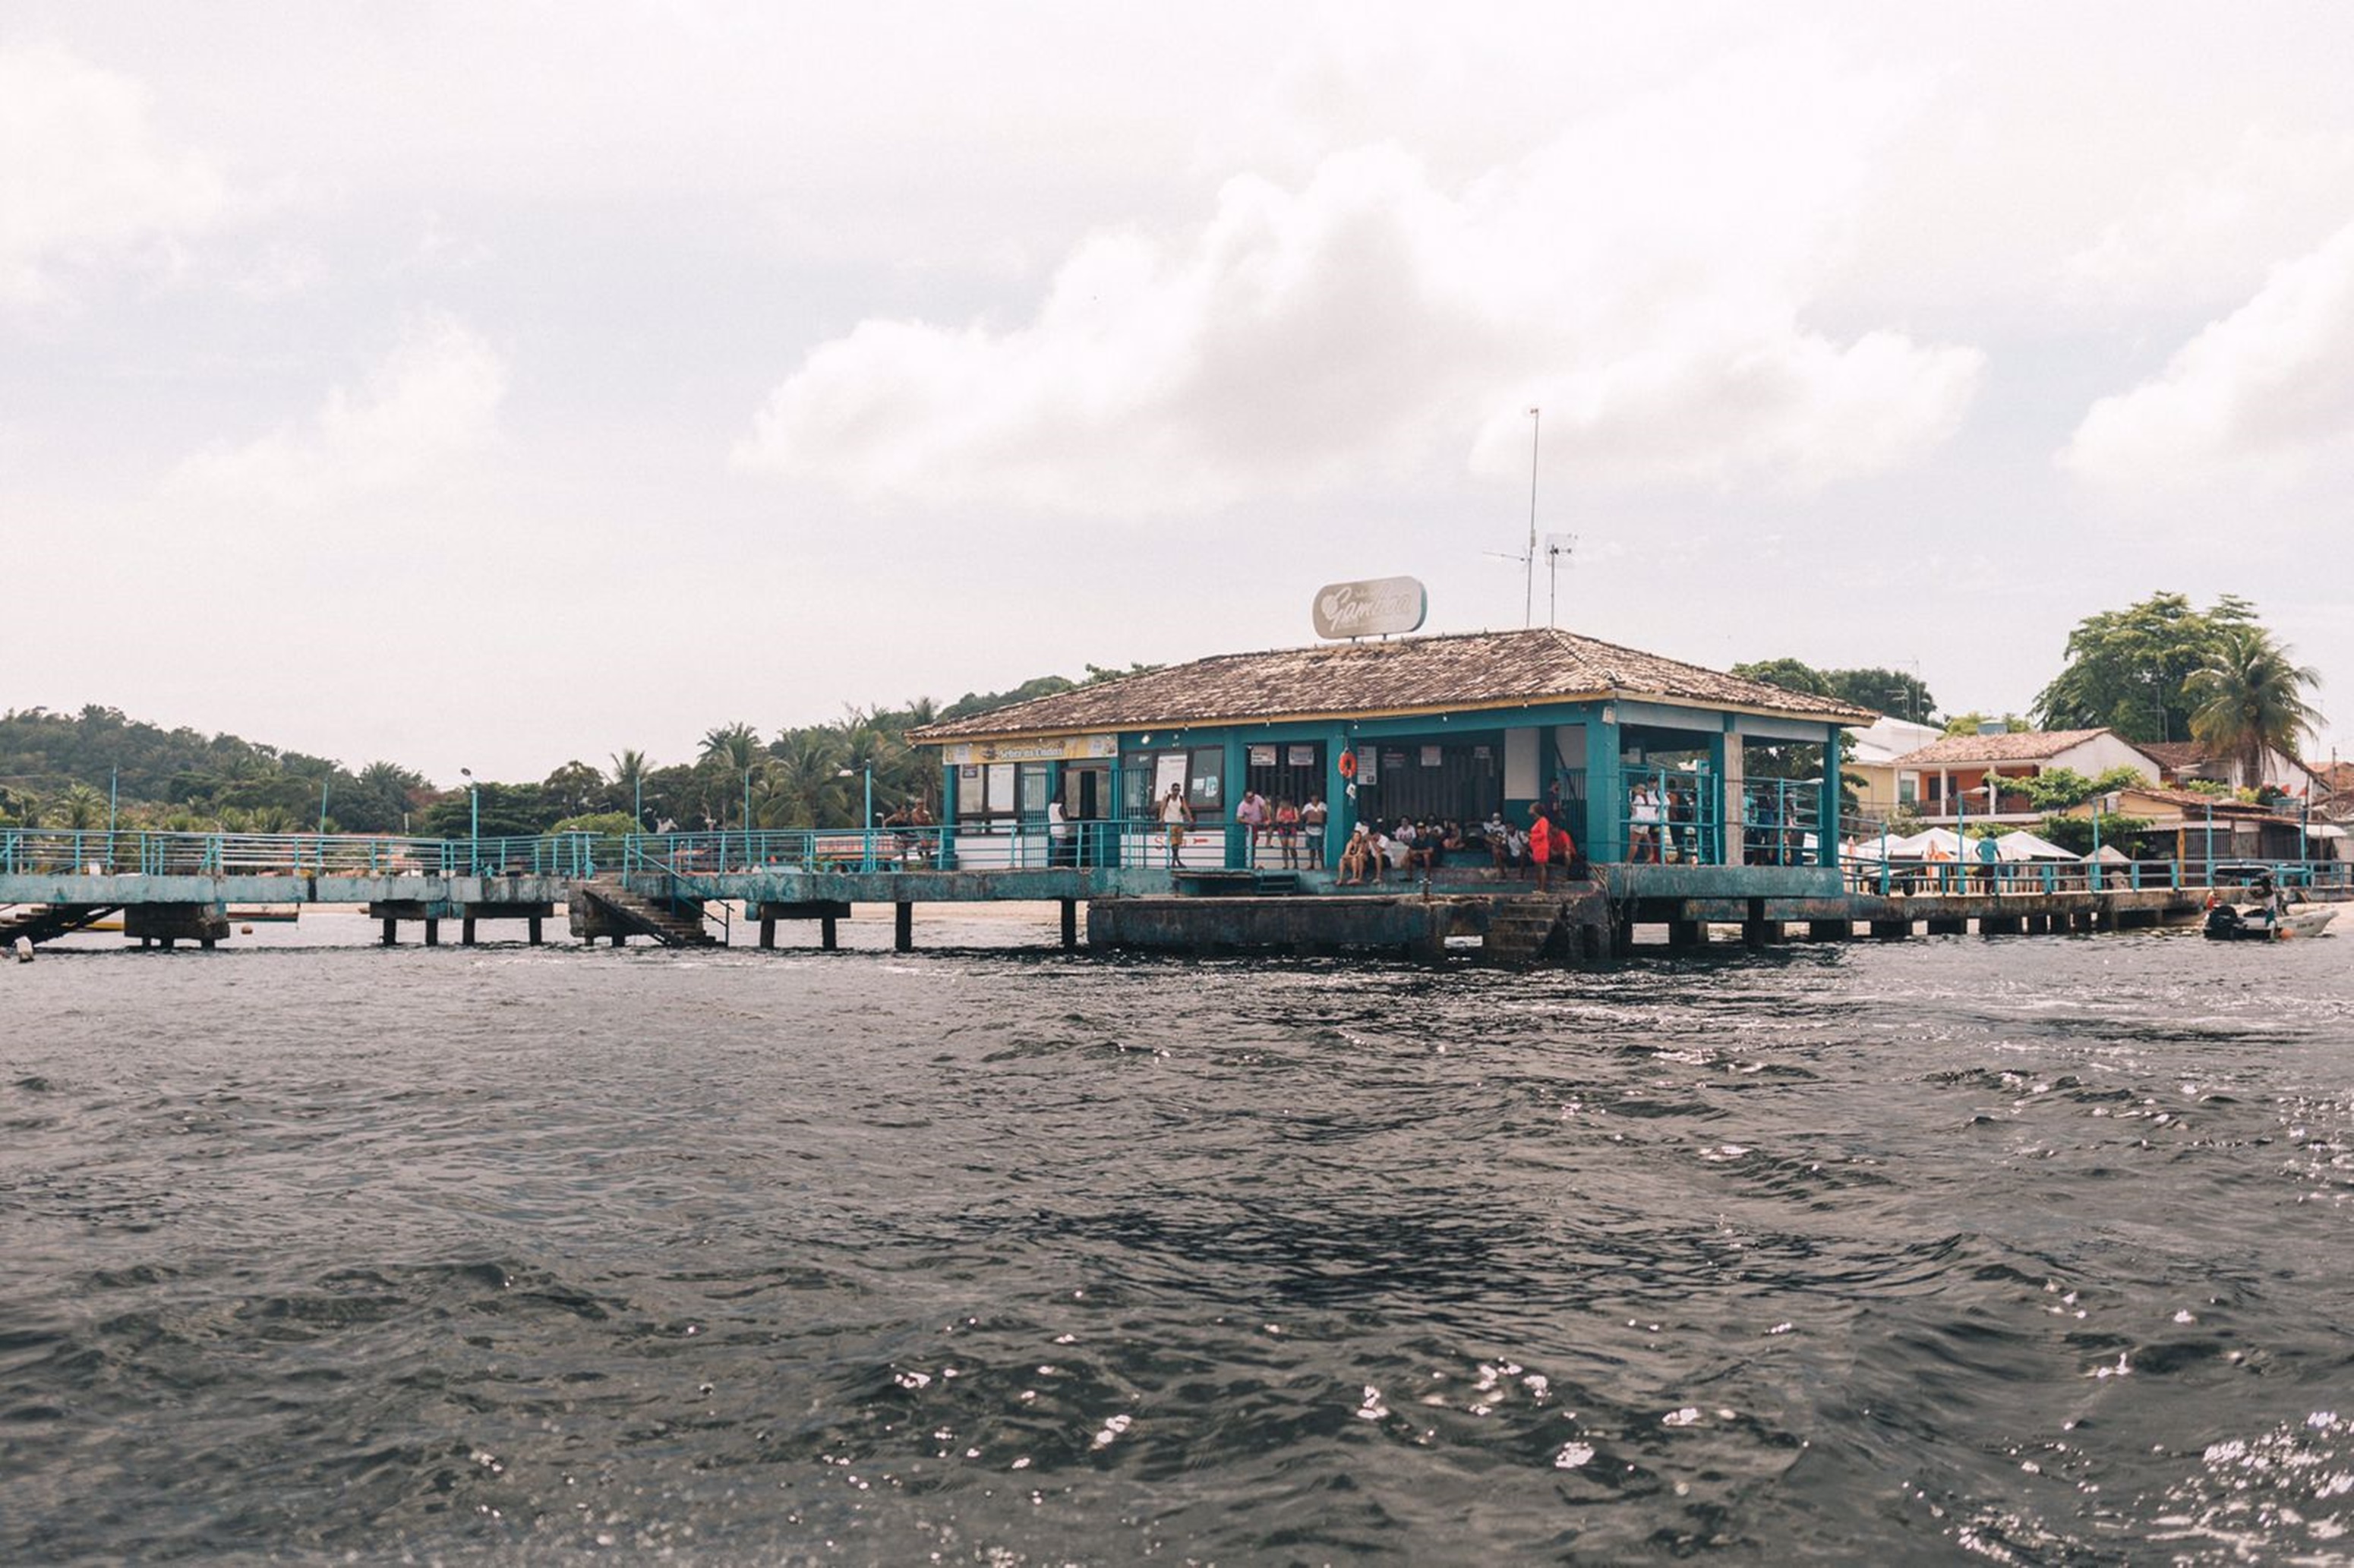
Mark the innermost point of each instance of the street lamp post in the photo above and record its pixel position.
(474, 822)
(866, 823)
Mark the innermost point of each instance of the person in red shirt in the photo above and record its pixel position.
(1541, 843)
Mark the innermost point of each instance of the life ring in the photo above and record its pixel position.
(1348, 765)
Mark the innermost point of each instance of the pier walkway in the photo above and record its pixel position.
(736, 888)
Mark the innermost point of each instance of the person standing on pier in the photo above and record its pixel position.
(1176, 816)
(1540, 843)
(1058, 833)
(1252, 817)
(1313, 817)
(1287, 832)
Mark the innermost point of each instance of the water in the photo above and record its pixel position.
(2028, 1251)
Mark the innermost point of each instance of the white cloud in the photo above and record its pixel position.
(431, 401)
(81, 176)
(2194, 231)
(1643, 273)
(2262, 393)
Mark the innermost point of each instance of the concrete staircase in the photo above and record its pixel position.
(1521, 931)
(671, 925)
(40, 923)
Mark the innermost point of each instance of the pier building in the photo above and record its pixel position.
(1436, 728)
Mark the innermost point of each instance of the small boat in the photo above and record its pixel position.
(2273, 915)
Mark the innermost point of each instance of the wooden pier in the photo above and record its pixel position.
(616, 897)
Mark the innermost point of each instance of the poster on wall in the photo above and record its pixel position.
(1168, 769)
(1300, 755)
(1430, 756)
(1261, 757)
(1369, 766)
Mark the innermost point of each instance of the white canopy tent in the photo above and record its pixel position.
(1943, 841)
(2021, 845)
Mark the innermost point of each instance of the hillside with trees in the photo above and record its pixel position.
(63, 770)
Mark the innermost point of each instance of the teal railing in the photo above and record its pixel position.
(1777, 826)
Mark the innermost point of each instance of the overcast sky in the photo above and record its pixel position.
(494, 384)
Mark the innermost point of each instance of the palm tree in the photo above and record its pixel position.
(630, 777)
(732, 750)
(803, 779)
(82, 806)
(2250, 700)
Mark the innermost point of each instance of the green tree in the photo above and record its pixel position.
(1889, 691)
(378, 799)
(1975, 721)
(574, 789)
(1790, 674)
(2057, 788)
(508, 810)
(2129, 670)
(2076, 833)
(2250, 700)
(976, 703)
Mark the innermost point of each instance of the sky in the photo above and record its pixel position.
(493, 386)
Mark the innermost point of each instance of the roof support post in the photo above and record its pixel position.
(947, 813)
(1718, 833)
(1339, 806)
(1736, 793)
(1239, 844)
(1605, 804)
(1827, 827)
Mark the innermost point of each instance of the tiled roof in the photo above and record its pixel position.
(2193, 800)
(1481, 669)
(2018, 746)
(2175, 755)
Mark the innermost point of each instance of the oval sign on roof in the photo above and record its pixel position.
(1372, 609)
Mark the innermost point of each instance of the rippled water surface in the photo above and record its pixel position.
(2029, 1250)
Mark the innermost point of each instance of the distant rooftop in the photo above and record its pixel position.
(2018, 746)
(1449, 673)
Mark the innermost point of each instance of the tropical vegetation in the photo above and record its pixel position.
(2250, 700)
(2130, 670)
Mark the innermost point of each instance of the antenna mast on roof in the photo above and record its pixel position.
(1556, 546)
(1529, 597)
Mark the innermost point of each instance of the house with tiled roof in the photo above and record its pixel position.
(2185, 760)
(1437, 729)
(1961, 777)
(2201, 829)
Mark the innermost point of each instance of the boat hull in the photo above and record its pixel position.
(2256, 923)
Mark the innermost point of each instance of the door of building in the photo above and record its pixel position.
(1087, 801)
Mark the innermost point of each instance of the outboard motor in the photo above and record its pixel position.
(2223, 922)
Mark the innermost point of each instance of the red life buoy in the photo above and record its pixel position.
(1348, 765)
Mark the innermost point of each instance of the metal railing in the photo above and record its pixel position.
(652, 855)
(1777, 827)
(1917, 876)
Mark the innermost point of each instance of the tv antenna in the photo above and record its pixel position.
(1556, 546)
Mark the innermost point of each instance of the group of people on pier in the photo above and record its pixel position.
(1375, 849)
